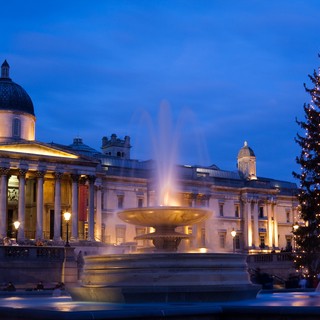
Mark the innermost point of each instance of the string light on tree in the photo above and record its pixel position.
(307, 236)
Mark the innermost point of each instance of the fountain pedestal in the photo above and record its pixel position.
(165, 277)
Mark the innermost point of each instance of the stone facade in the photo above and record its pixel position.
(39, 182)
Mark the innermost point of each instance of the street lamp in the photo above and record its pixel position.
(233, 234)
(16, 225)
(67, 217)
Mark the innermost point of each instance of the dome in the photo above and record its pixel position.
(12, 96)
(246, 151)
(82, 148)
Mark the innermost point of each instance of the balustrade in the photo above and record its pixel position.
(32, 253)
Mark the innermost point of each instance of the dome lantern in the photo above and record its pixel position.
(5, 70)
(247, 162)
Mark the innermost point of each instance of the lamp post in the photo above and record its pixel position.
(67, 216)
(233, 234)
(16, 225)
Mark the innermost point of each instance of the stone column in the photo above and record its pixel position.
(57, 207)
(196, 231)
(91, 180)
(275, 225)
(247, 223)
(3, 201)
(22, 203)
(256, 240)
(39, 226)
(99, 214)
(270, 225)
(249, 217)
(74, 206)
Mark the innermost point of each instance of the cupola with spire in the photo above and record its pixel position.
(247, 162)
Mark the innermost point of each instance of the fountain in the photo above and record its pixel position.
(164, 220)
(165, 275)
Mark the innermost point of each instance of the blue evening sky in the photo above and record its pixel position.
(230, 70)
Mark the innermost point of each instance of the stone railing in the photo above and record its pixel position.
(32, 253)
(31, 264)
(270, 257)
(277, 264)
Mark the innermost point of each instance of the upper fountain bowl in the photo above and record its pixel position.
(164, 216)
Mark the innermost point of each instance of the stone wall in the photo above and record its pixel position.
(31, 264)
(276, 264)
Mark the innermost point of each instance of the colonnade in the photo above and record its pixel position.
(251, 219)
(75, 180)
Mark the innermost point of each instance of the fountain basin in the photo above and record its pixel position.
(164, 220)
(165, 277)
(164, 216)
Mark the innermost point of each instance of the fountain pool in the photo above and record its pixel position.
(280, 306)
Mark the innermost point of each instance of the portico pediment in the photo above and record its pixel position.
(36, 148)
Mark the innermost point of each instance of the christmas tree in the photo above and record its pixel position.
(307, 236)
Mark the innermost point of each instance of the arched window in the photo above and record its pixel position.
(16, 128)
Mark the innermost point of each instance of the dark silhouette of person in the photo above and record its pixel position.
(10, 287)
(40, 286)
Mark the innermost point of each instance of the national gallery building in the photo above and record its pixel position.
(40, 181)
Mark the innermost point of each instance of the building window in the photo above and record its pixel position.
(120, 201)
(288, 215)
(120, 234)
(237, 242)
(16, 128)
(237, 211)
(261, 213)
(262, 242)
(140, 202)
(289, 244)
(221, 209)
(222, 240)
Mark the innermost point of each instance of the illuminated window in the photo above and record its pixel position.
(222, 240)
(120, 234)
